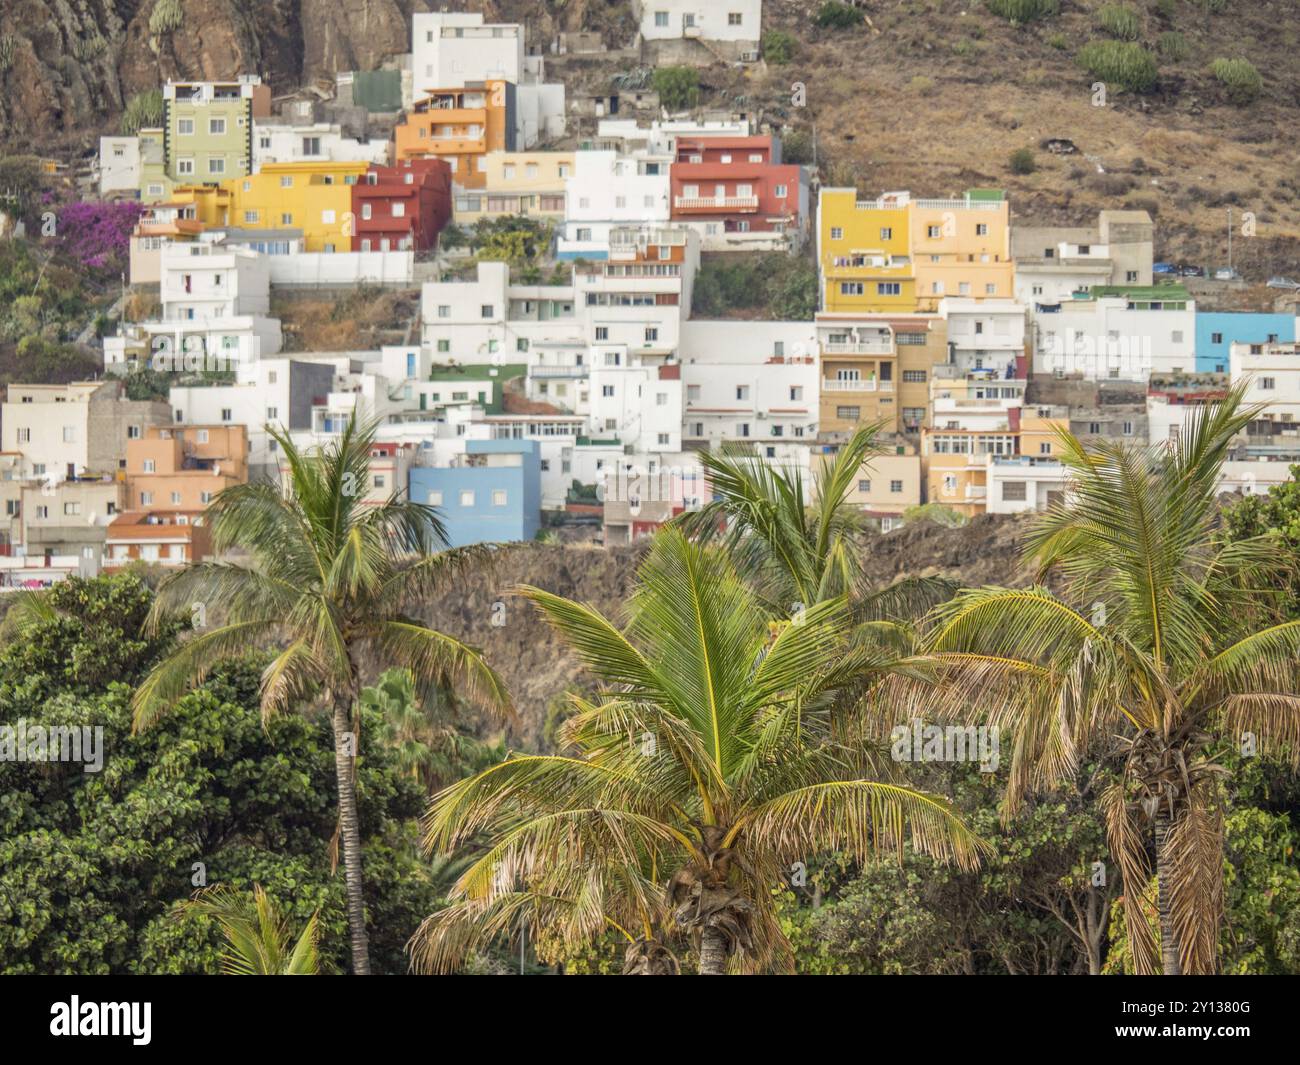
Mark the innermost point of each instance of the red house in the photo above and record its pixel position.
(402, 206)
(737, 194)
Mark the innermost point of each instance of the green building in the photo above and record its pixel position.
(208, 128)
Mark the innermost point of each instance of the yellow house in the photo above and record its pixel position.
(314, 197)
(896, 253)
(517, 183)
(877, 367)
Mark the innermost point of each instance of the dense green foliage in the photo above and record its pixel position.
(678, 87)
(772, 285)
(1123, 64)
(1023, 10)
(1120, 21)
(1276, 514)
(1240, 78)
(836, 15)
(95, 867)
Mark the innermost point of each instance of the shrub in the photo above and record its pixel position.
(921, 85)
(1119, 21)
(678, 87)
(8, 46)
(1122, 63)
(167, 15)
(1173, 45)
(1166, 9)
(1058, 41)
(1239, 77)
(1022, 161)
(837, 16)
(778, 47)
(143, 110)
(1023, 10)
(797, 148)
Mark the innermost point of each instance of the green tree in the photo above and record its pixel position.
(1161, 640)
(329, 580)
(1276, 514)
(712, 764)
(678, 87)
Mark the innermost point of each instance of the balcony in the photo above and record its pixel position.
(859, 347)
(867, 385)
(715, 203)
(976, 491)
(559, 371)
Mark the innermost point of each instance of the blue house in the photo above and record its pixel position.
(1216, 331)
(491, 494)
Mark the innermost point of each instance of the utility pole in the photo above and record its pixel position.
(1230, 242)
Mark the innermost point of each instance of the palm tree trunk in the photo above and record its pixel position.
(350, 832)
(713, 953)
(1169, 954)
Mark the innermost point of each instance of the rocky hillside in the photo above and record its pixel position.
(932, 95)
(538, 669)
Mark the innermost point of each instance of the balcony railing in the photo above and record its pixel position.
(716, 203)
(867, 385)
(559, 371)
(861, 347)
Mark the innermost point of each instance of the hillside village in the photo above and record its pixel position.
(552, 374)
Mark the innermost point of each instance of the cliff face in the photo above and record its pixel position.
(71, 65)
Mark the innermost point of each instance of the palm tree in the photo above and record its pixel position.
(257, 933)
(1164, 636)
(718, 757)
(327, 581)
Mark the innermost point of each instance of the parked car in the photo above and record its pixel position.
(1226, 273)
(1192, 271)
(1164, 268)
(1283, 282)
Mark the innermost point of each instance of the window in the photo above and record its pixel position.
(185, 166)
(607, 391)
(848, 414)
(837, 233)
(1094, 428)
(1177, 336)
(499, 497)
(378, 480)
(934, 232)
(272, 413)
(444, 345)
(886, 233)
(602, 332)
(1128, 429)
(949, 484)
(663, 439)
(1013, 491)
(1130, 275)
(366, 210)
(250, 216)
(149, 466)
(467, 498)
(311, 146)
(399, 210)
(72, 507)
(133, 432)
(661, 399)
(742, 391)
(217, 127)
(735, 18)
(651, 335)
(435, 499)
(851, 288)
(225, 414)
(185, 127)
(888, 288)
(42, 512)
(661, 20)
(796, 393)
(487, 310)
(1045, 448)
(914, 376)
(176, 498)
(146, 499)
(216, 166)
(327, 218)
(896, 486)
(864, 486)
(444, 310)
(1267, 384)
(990, 289)
(981, 230)
(69, 434)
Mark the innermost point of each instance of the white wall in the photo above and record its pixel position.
(1272, 376)
(442, 60)
(1102, 339)
(119, 165)
(342, 268)
(281, 143)
(668, 19)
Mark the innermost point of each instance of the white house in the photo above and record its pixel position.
(1271, 373)
(606, 191)
(749, 381)
(1054, 263)
(984, 334)
(203, 280)
(292, 141)
(735, 21)
(1019, 483)
(119, 166)
(1124, 336)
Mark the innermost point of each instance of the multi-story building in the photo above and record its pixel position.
(183, 468)
(155, 182)
(517, 183)
(899, 254)
(1020, 483)
(754, 381)
(70, 518)
(490, 493)
(170, 539)
(401, 207)
(65, 432)
(1053, 263)
(1271, 375)
(1125, 333)
(736, 193)
(313, 197)
(608, 192)
(460, 126)
(888, 484)
(1218, 331)
(298, 138)
(877, 369)
(985, 334)
(208, 127)
(1123, 422)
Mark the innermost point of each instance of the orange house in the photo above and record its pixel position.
(460, 126)
(182, 468)
(173, 539)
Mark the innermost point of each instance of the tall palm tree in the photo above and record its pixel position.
(718, 757)
(327, 582)
(258, 937)
(1165, 636)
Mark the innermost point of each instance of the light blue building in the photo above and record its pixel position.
(491, 494)
(1217, 331)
